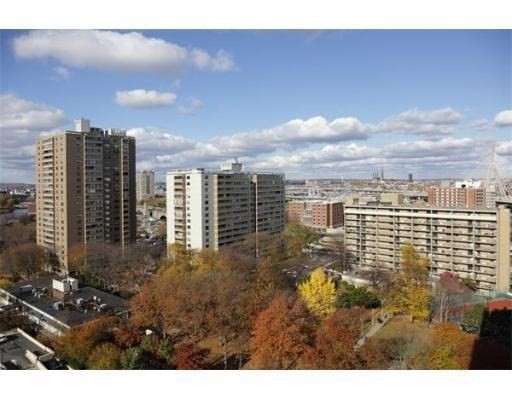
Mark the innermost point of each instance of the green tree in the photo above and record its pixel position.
(319, 293)
(105, 356)
(298, 238)
(350, 296)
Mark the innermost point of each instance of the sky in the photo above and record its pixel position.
(311, 104)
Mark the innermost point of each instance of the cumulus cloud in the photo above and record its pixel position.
(21, 115)
(116, 51)
(422, 122)
(21, 122)
(503, 118)
(190, 109)
(142, 98)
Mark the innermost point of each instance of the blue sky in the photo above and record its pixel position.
(405, 101)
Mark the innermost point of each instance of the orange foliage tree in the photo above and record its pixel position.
(282, 333)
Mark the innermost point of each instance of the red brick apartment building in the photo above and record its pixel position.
(318, 215)
(456, 197)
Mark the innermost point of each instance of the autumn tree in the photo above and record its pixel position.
(451, 348)
(319, 293)
(267, 281)
(105, 356)
(77, 345)
(335, 341)
(24, 260)
(282, 333)
(409, 291)
(447, 293)
(189, 356)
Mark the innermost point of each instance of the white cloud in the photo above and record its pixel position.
(503, 118)
(61, 72)
(142, 98)
(430, 122)
(482, 125)
(22, 115)
(115, 51)
(21, 122)
(194, 105)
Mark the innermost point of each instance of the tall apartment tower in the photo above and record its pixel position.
(213, 209)
(145, 185)
(85, 189)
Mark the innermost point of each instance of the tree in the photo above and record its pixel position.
(282, 333)
(474, 317)
(189, 356)
(160, 348)
(105, 356)
(344, 258)
(350, 296)
(335, 341)
(298, 238)
(24, 260)
(319, 293)
(264, 286)
(451, 348)
(446, 294)
(131, 358)
(409, 291)
(77, 345)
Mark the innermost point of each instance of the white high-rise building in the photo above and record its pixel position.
(212, 209)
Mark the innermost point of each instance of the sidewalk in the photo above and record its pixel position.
(372, 331)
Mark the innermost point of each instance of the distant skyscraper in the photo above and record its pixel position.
(145, 185)
(85, 189)
(212, 209)
(410, 178)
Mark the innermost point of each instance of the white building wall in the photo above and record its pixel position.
(170, 208)
(195, 199)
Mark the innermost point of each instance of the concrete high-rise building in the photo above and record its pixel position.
(473, 243)
(456, 197)
(145, 185)
(212, 209)
(410, 178)
(85, 189)
(315, 214)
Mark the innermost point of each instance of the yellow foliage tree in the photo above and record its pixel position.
(319, 293)
(409, 291)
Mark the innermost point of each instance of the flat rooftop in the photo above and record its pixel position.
(42, 297)
(16, 348)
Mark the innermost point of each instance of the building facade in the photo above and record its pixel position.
(473, 243)
(213, 209)
(456, 197)
(85, 189)
(145, 185)
(317, 215)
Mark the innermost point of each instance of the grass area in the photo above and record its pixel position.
(400, 324)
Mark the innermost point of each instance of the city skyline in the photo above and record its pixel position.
(310, 104)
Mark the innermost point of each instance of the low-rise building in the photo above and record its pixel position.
(19, 350)
(317, 215)
(473, 243)
(462, 196)
(57, 304)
